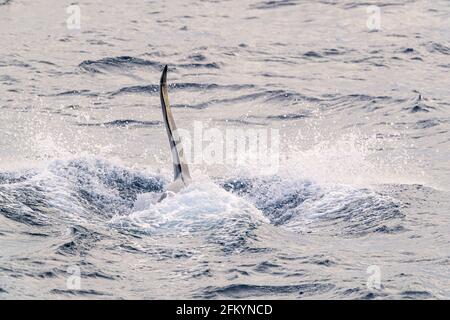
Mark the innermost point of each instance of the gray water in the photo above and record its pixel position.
(357, 208)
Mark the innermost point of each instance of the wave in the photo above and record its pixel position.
(435, 47)
(83, 187)
(273, 4)
(212, 65)
(262, 96)
(419, 104)
(242, 291)
(127, 63)
(104, 64)
(301, 206)
(87, 93)
(154, 89)
(127, 123)
(226, 212)
(78, 188)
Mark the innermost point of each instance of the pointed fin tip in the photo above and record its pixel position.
(164, 75)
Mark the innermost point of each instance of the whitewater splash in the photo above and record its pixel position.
(89, 211)
(81, 188)
(200, 207)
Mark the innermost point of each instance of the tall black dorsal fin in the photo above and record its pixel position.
(180, 167)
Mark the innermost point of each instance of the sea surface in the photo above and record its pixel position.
(356, 205)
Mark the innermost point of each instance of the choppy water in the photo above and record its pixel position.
(362, 188)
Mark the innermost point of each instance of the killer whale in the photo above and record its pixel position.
(181, 172)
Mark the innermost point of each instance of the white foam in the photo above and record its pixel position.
(198, 206)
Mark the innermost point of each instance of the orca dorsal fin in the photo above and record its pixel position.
(180, 167)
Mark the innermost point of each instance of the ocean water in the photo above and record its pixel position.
(356, 206)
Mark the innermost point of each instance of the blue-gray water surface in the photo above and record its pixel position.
(357, 207)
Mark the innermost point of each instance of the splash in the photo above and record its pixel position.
(200, 206)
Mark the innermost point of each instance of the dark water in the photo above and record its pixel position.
(361, 190)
